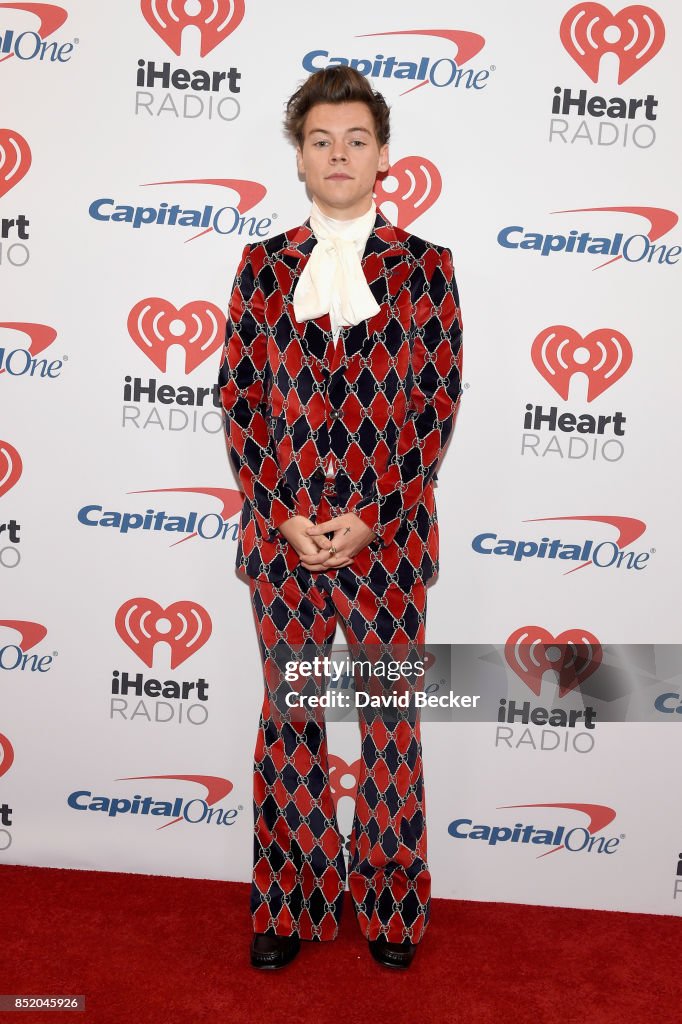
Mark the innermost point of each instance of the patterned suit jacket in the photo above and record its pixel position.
(383, 401)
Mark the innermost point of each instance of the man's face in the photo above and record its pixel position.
(340, 158)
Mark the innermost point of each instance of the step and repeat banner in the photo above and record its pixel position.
(141, 148)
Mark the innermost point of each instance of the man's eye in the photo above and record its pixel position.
(358, 142)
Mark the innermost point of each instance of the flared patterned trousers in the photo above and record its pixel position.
(299, 870)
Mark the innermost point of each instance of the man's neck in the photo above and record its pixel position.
(340, 214)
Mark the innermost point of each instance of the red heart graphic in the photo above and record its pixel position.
(155, 324)
(186, 628)
(338, 768)
(15, 159)
(605, 356)
(6, 754)
(215, 19)
(419, 184)
(10, 467)
(575, 654)
(637, 34)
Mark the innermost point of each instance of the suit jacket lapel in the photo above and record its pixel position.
(383, 251)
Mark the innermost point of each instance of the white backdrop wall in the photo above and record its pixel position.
(116, 124)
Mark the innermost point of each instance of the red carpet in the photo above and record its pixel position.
(146, 949)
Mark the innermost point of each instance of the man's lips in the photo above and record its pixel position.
(338, 177)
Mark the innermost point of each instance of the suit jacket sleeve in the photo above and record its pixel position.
(242, 379)
(433, 402)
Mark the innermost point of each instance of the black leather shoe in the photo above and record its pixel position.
(392, 954)
(268, 952)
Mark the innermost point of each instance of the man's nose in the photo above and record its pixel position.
(338, 153)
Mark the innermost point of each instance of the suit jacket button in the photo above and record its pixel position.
(335, 414)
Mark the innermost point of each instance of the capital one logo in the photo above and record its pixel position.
(215, 20)
(572, 655)
(20, 362)
(50, 17)
(6, 754)
(569, 837)
(441, 72)
(217, 788)
(15, 159)
(14, 654)
(155, 324)
(603, 554)
(40, 336)
(142, 623)
(560, 352)
(467, 45)
(232, 501)
(10, 467)
(637, 248)
(412, 185)
(634, 35)
(31, 633)
(225, 220)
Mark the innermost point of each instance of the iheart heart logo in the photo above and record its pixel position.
(635, 35)
(573, 655)
(6, 754)
(215, 19)
(413, 184)
(10, 467)
(155, 324)
(142, 623)
(603, 355)
(340, 770)
(15, 159)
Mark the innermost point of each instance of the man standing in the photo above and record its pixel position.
(340, 382)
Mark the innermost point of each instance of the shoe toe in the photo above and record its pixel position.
(392, 954)
(272, 951)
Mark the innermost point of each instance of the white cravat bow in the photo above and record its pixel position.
(332, 280)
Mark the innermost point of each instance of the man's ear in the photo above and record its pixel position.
(299, 161)
(384, 162)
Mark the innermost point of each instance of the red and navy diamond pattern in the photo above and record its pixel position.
(382, 401)
(299, 872)
(382, 404)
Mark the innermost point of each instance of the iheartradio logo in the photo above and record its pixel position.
(10, 467)
(412, 185)
(155, 325)
(572, 655)
(6, 754)
(215, 20)
(142, 623)
(343, 778)
(559, 352)
(15, 159)
(634, 35)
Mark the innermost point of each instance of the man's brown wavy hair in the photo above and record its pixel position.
(337, 84)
